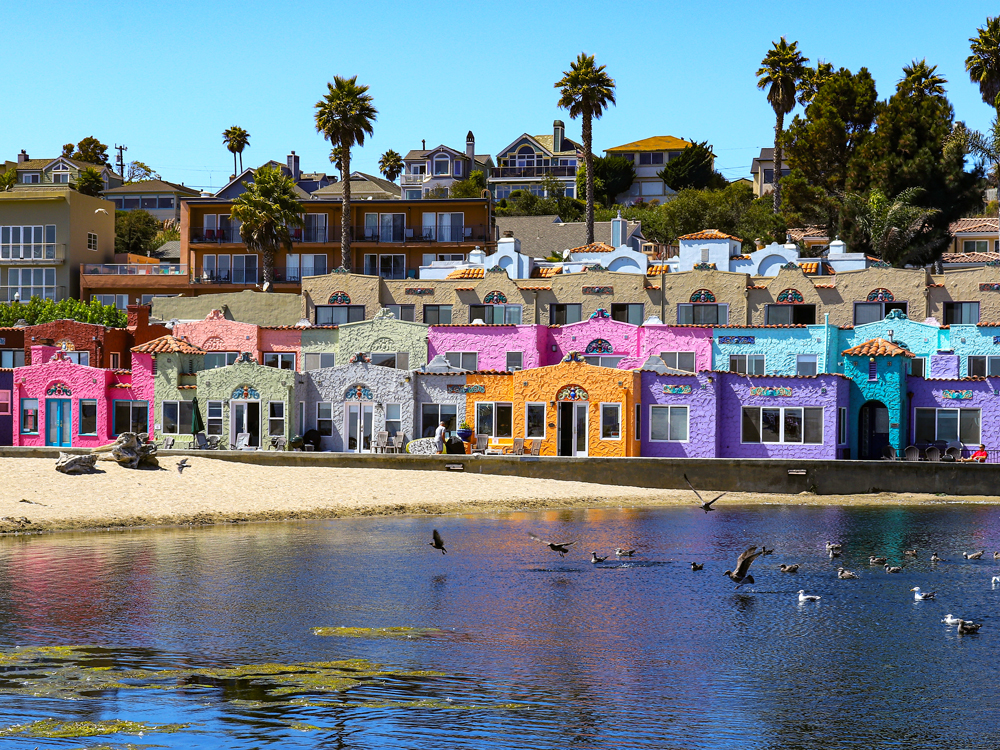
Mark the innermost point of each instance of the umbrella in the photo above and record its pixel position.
(197, 425)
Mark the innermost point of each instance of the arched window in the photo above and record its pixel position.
(442, 164)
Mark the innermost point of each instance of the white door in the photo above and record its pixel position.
(580, 429)
(358, 429)
(244, 418)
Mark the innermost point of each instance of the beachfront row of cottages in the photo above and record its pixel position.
(599, 387)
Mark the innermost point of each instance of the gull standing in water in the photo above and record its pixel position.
(741, 576)
(920, 596)
(561, 547)
(705, 506)
(804, 597)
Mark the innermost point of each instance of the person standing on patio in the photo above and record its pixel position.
(439, 434)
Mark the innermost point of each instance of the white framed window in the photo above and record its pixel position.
(842, 425)
(806, 364)
(214, 423)
(119, 301)
(611, 421)
(387, 266)
(281, 360)
(747, 364)
(32, 178)
(873, 312)
(515, 361)
(702, 314)
(177, 417)
(335, 315)
(393, 418)
(244, 269)
(668, 424)
(602, 361)
(25, 283)
(275, 418)
(442, 165)
(401, 312)
(384, 227)
(214, 360)
(320, 360)
(463, 360)
(413, 195)
(947, 425)
(495, 314)
(789, 424)
(683, 361)
(983, 367)
(92, 241)
(564, 314)
(975, 246)
(437, 315)
(324, 418)
(494, 419)
(787, 315)
(31, 242)
(534, 420)
(79, 358)
(315, 264)
(88, 416)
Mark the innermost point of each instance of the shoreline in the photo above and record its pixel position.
(37, 499)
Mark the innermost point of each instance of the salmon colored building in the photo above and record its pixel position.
(574, 408)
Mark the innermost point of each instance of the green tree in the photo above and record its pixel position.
(236, 139)
(812, 79)
(983, 65)
(390, 164)
(167, 234)
(89, 182)
(68, 150)
(135, 231)
(91, 150)
(985, 147)
(8, 180)
(37, 310)
(780, 72)
(694, 168)
(345, 115)
(586, 91)
(526, 203)
(895, 230)
(921, 78)
(136, 171)
(471, 187)
(266, 210)
(613, 176)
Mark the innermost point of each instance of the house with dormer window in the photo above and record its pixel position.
(62, 170)
(435, 170)
(525, 163)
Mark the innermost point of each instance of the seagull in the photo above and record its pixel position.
(974, 555)
(804, 597)
(996, 580)
(705, 506)
(935, 558)
(101, 211)
(893, 569)
(876, 560)
(437, 543)
(845, 575)
(561, 547)
(996, 555)
(968, 627)
(789, 568)
(922, 597)
(740, 576)
(181, 465)
(949, 620)
(834, 553)
(619, 552)
(831, 547)
(765, 551)
(696, 566)
(910, 553)
(595, 559)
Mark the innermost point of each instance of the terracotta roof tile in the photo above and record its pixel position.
(709, 234)
(810, 268)
(546, 272)
(655, 269)
(825, 286)
(467, 273)
(594, 247)
(980, 224)
(969, 257)
(186, 387)
(535, 288)
(808, 232)
(465, 288)
(168, 345)
(877, 348)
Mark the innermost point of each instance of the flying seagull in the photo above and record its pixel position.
(741, 576)
(181, 465)
(561, 547)
(595, 559)
(789, 568)
(804, 597)
(921, 596)
(101, 211)
(437, 543)
(705, 506)
(696, 566)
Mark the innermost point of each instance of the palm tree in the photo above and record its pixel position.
(344, 116)
(780, 72)
(983, 65)
(391, 165)
(236, 139)
(586, 90)
(266, 210)
(89, 182)
(983, 146)
(890, 227)
(921, 78)
(812, 79)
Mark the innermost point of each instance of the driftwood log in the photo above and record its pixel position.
(131, 450)
(72, 464)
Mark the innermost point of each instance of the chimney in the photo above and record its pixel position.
(293, 166)
(470, 150)
(423, 144)
(618, 231)
(138, 319)
(22, 157)
(558, 133)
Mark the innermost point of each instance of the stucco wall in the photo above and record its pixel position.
(963, 285)
(383, 334)
(271, 383)
(701, 403)
(889, 388)
(665, 338)
(930, 393)
(491, 342)
(320, 339)
(433, 389)
(766, 291)
(576, 337)
(780, 346)
(972, 341)
(906, 285)
(923, 339)
(247, 306)
(7, 420)
(728, 288)
(219, 334)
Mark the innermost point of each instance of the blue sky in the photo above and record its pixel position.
(166, 79)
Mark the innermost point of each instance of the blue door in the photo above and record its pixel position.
(58, 422)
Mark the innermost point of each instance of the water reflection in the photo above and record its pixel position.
(538, 651)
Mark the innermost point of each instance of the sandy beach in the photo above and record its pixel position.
(35, 497)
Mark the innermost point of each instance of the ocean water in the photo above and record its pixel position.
(506, 644)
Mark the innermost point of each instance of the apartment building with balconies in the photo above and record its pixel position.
(433, 171)
(160, 198)
(523, 164)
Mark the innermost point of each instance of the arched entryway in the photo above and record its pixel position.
(873, 430)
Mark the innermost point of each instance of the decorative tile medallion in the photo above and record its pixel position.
(703, 267)
(879, 264)
(340, 298)
(790, 297)
(245, 358)
(419, 290)
(989, 287)
(572, 393)
(599, 313)
(958, 395)
(495, 298)
(359, 358)
(59, 389)
(598, 290)
(790, 266)
(677, 390)
(599, 346)
(245, 393)
(771, 391)
(702, 295)
(358, 393)
(737, 339)
(574, 357)
(466, 389)
(880, 295)
(996, 339)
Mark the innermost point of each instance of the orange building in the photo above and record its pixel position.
(574, 408)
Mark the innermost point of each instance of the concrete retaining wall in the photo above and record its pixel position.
(710, 474)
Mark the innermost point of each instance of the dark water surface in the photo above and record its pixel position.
(535, 651)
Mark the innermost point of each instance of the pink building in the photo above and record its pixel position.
(602, 340)
(60, 403)
(277, 346)
(489, 347)
(678, 346)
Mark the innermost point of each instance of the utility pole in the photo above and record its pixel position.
(121, 159)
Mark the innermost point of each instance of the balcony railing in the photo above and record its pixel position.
(556, 171)
(48, 252)
(296, 275)
(134, 269)
(214, 276)
(223, 236)
(413, 179)
(447, 233)
(25, 293)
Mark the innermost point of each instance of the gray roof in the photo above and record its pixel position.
(541, 236)
(151, 186)
(170, 250)
(362, 184)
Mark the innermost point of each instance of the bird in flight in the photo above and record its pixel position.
(561, 547)
(741, 575)
(437, 543)
(181, 465)
(595, 559)
(705, 506)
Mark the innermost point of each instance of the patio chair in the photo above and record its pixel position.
(168, 443)
(278, 443)
(242, 442)
(912, 453)
(954, 452)
(517, 449)
(213, 442)
(536, 447)
(399, 442)
(889, 453)
(932, 453)
(482, 443)
(201, 440)
(381, 442)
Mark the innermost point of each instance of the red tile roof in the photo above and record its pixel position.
(168, 345)
(467, 273)
(709, 234)
(593, 247)
(877, 348)
(978, 224)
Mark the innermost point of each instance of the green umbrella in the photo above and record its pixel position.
(197, 425)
